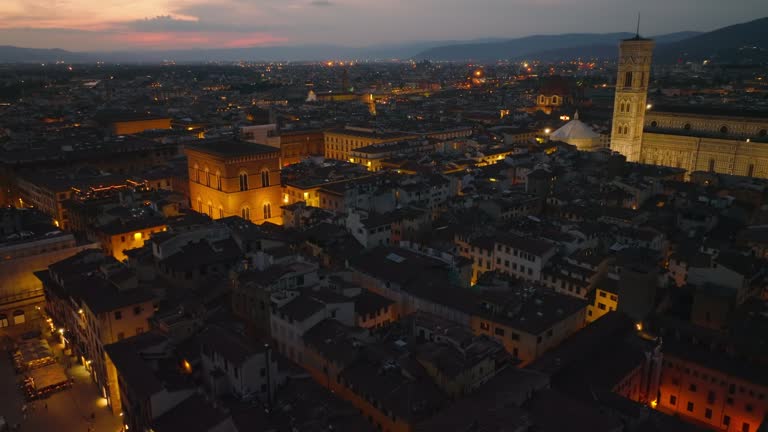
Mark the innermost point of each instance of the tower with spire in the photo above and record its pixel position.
(629, 107)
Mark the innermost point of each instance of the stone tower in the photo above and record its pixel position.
(631, 94)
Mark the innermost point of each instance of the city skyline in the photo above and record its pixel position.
(81, 25)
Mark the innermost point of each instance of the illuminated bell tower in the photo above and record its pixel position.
(631, 95)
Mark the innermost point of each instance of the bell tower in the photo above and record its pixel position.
(631, 95)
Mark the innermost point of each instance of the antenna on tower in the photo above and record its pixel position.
(637, 33)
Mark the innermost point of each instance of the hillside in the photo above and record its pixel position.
(519, 48)
(740, 43)
(12, 54)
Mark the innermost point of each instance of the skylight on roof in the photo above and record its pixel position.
(395, 258)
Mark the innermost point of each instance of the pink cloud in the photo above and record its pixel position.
(175, 40)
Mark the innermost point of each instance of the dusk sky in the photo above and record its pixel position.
(112, 25)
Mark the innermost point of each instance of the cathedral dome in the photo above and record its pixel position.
(574, 129)
(577, 133)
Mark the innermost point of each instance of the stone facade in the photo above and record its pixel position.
(714, 141)
(239, 179)
(631, 96)
(692, 153)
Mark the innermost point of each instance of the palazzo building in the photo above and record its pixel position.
(692, 138)
(235, 178)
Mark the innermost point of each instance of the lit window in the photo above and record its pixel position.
(18, 317)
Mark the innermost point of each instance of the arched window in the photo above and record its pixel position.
(243, 181)
(199, 205)
(197, 173)
(724, 130)
(654, 123)
(554, 100)
(246, 213)
(207, 177)
(221, 212)
(264, 177)
(218, 180)
(628, 79)
(267, 211)
(18, 317)
(210, 209)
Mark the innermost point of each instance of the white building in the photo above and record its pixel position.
(297, 313)
(233, 365)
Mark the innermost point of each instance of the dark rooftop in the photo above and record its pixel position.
(231, 148)
(233, 347)
(195, 414)
(134, 370)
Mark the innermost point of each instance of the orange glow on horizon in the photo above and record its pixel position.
(194, 39)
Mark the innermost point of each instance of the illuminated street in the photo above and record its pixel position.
(69, 410)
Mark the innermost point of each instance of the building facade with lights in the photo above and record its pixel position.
(235, 178)
(94, 301)
(339, 143)
(118, 236)
(21, 293)
(709, 379)
(694, 139)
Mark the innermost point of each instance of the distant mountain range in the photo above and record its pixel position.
(406, 50)
(540, 47)
(740, 43)
(12, 54)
